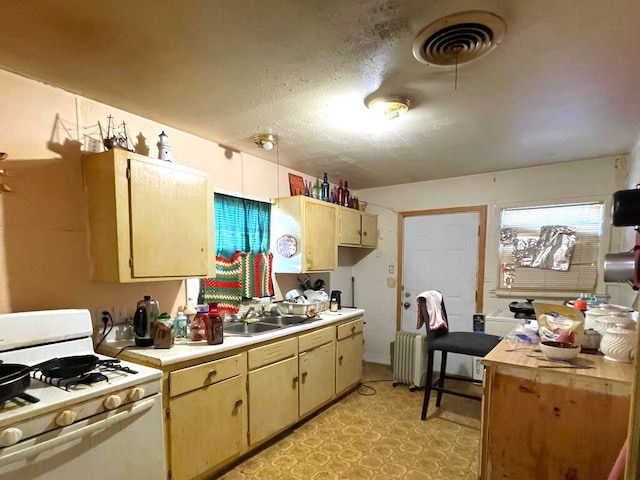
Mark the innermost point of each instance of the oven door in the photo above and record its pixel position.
(126, 442)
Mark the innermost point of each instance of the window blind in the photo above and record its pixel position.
(585, 218)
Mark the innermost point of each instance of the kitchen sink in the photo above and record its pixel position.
(285, 320)
(248, 329)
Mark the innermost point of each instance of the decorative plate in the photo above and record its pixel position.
(287, 246)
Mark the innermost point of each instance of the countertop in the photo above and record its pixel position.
(159, 358)
(513, 355)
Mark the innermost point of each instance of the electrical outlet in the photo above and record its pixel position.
(120, 315)
(98, 319)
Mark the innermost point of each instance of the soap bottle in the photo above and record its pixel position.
(325, 188)
(190, 310)
(180, 327)
(198, 326)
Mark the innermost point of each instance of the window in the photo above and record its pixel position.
(582, 274)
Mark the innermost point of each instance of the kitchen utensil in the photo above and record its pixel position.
(293, 295)
(318, 284)
(565, 366)
(523, 308)
(622, 267)
(73, 366)
(146, 315)
(14, 380)
(305, 281)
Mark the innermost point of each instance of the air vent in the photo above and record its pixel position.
(459, 38)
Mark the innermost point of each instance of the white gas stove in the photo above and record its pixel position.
(46, 429)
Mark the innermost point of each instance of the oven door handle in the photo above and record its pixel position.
(91, 429)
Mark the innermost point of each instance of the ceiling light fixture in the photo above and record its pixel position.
(265, 140)
(389, 106)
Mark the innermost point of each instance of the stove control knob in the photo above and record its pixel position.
(10, 436)
(66, 418)
(112, 401)
(136, 394)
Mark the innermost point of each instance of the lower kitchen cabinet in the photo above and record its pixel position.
(349, 350)
(273, 389)
(207, 398)
(317, 369)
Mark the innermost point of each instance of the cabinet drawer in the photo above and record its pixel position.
(261, 356)
(315, 339)
(350, 328)
(198, 376)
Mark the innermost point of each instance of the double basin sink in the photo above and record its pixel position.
(264, 325)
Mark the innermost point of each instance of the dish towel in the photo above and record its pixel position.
(435, 309)
(257, 268)
(226, 288)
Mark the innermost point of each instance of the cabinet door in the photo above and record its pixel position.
(348, 361)
(273, 399)
(169, 227)
(317, 377)
(350, 227)
(369, 230)
(195, 415)
(320, 236)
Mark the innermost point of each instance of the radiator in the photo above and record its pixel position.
(409, 359)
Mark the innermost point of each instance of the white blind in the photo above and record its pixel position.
(585, 218)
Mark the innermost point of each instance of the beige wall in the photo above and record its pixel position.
(594, 179)
(44, 257)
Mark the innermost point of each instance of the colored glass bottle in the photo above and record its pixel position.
(325, 188)
(346, 195)
(340, 193)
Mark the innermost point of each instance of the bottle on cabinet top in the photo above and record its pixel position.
(325, 188)
(340, 193)
(346, 195)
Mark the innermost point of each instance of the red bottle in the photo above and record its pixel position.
(215, 329)
(346, 195)
(340, 193)
(198, 326)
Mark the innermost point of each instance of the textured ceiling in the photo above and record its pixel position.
(563, 85)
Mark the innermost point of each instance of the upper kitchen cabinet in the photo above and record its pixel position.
(304, 235)
(149, 220)
(357, 229)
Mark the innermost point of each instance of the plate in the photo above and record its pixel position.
(287, 246)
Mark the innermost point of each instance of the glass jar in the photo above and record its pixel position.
(198, 327)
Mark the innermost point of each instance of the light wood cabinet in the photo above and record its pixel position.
(570, 423)
(149, 219)
(202, 398)
(273, 389)
(304, 235)
(317, 369)
(357, 229)
(349, 350)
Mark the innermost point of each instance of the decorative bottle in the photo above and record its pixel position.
(180, 327)
(325, 188)
(215, 329)
(346, 195)
(340, 193)
(315, 190)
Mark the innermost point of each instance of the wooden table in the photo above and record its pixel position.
(558, 423)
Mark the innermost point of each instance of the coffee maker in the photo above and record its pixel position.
(335, 295)
(144, 320)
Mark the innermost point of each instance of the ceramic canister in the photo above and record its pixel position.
(619, 344)
(603, 322)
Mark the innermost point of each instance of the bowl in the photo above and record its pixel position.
(559, 350)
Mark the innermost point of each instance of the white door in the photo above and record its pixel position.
(440, 252)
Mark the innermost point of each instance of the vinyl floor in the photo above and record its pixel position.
(375, 433)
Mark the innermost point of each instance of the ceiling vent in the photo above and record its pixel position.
(459, 38)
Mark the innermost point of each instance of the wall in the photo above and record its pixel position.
(44, 252)
(570, 182)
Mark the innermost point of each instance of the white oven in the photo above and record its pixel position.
(103, 424)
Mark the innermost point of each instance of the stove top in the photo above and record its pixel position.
(30, 338)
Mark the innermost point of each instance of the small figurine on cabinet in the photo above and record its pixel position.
(164, 148)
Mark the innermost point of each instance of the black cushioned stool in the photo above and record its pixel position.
(465, 343)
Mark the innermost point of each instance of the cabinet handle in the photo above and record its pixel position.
(304, 375)
(238, 403)
(340, 358)
(212, 374)
(296, 380)
(353, 329)
(364, 233)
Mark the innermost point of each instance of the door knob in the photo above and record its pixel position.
(406, 305)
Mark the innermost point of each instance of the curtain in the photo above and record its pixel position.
(241, 225)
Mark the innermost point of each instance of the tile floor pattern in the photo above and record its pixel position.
(377, 436)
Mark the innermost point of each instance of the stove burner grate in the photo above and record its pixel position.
(71, 382)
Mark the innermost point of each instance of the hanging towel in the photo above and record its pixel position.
(257, 268)
(226, 288)
(435, 310)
